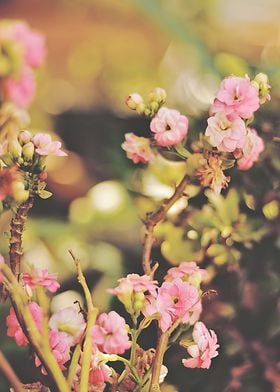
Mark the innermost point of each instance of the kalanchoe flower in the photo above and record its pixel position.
(188, 271)
(131, 291)
(169, 127)
(237, 97)
(40, 277)
(14, 329)
(211, 174)
(224, 134)
(138, 148)
(174, 300)
(251, 150)
(109, 333)
(44, 145)
(20, 89)
(60, 346)
(204, 347)
(99, 374)
(70, 321)
(31, 41)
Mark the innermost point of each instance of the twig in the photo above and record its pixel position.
(153, 219)
(91, 317)
(9, 373)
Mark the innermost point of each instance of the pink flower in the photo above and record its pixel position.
(251, 150)
(109, 333)
(131, 291)
(32, 42)
(135, 283)
(137, 148)
(41, 277)
(14, 329)
(204, 347)
(99, 374)
(174, 300)
(69, 320)
(188, 271)
(60, 346)
(224, 134)
(45, 146)
(169, 126)
(237, 97)
(20, 90)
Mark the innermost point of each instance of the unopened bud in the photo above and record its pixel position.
(19, 192)
(262, 84)
(134, 100)
(141, 108)
(158, 95)
(28, 151)
(15, 148)
(261, 78)
(24, 137)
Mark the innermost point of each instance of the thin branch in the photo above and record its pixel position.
(9, 373)
(91, 317)
(153, 219)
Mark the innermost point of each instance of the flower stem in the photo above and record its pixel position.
(153, 219)
(158, 359)
(9, 373)
(91, 317)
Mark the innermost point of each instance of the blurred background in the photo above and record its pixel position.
(99, 51)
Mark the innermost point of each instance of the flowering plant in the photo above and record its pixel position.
(77, 348)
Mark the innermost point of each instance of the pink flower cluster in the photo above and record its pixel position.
(203, 349)
(236, 101)
(14, 329)
(19, 87)
(168, 126)
(40, 277)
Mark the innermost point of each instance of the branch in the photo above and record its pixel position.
(17, 227)
(153, 219)
(9, 373)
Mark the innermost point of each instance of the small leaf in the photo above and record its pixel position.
(45, 194)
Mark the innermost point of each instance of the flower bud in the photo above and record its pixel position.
(24, 137)
(141, 108)
(158, 95)
(134, 100)
(28, 151)
(262, 84)
(20, 194)
(15, 148)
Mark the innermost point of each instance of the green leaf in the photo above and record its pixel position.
(44, 194)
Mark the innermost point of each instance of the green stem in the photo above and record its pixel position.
(91, 317)
(73, 364)
(158, 359)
